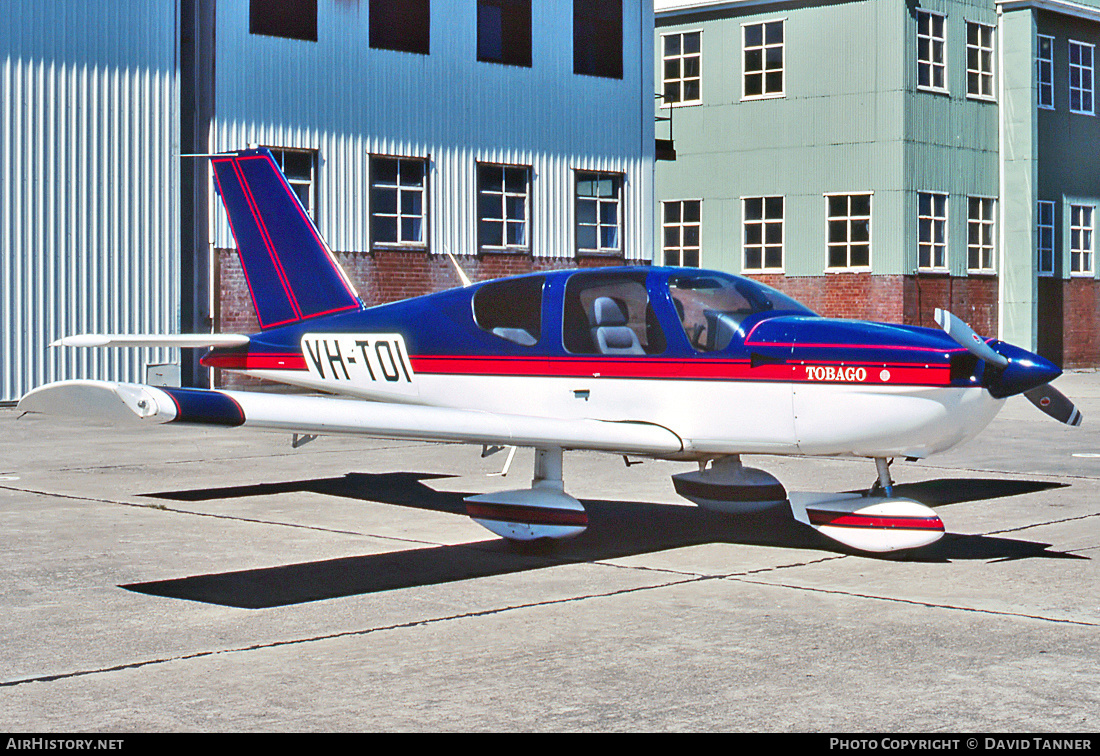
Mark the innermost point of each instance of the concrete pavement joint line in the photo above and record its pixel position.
(345, 634)
(1042, 524)
(171, 510)
(1006, 473)
(293, 453)
(914, 602)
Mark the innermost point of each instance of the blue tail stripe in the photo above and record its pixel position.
(269, 295)
(315, 283)
(290, 272)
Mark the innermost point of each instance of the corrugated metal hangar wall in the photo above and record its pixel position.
(89, 187)
(106, 229)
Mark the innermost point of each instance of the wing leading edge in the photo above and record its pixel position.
(131, 402)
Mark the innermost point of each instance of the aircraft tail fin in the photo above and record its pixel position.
(291, 273)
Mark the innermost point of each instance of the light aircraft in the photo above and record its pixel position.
(669, 363)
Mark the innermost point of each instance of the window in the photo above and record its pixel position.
(712, 306)
(503, 207)
(681, 232)
(1044, 71)
(511, 309)
(610, 313)
(1044, 226)
(300, 168)
(598, 38)
(1080, 77)
(402, 25)
(849, 230)
(504, 32)
(931, 231)
(763, 232)
(682, 68)
(979, 60)
(293, 19)
(931, 51)
(980, 234)
(397, 199)
(599, 199)
(1080, 238)
(763, 59)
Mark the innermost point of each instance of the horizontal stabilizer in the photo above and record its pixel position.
(182, 340)
(327, 415)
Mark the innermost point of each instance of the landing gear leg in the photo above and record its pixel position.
(884, 486)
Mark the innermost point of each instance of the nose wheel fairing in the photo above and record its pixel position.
(868, 523)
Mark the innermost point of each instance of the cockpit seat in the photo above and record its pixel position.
(610, 331)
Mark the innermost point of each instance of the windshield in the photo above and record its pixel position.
(711, 306)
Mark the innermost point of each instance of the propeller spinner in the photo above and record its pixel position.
(1016, 372)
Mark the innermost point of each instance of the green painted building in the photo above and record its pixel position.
(880, 159)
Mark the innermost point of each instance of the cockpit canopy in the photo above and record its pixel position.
(711, 306)
(615, 312)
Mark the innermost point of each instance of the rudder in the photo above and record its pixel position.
(291, 273)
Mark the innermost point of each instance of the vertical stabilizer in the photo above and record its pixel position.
(291, 273)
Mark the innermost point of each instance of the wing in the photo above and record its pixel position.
(131, 402)
(153, 340)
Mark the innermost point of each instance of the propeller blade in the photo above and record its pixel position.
(1053, 402)
(966, 338)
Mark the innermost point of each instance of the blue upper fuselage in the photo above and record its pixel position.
(659, 314)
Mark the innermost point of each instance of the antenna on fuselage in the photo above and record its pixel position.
(465, 279)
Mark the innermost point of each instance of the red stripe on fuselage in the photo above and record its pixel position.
(644, 368)
(877, 373)
(255, 361)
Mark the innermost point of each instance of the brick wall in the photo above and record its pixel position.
(1081, 313)
(910, 300)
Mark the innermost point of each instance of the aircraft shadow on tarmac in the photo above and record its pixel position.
(616, 529)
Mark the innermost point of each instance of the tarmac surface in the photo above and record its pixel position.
(190, 579)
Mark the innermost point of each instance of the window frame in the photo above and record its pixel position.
(1086, 254)
(935, 220)
(932, 62)
(1091, 68)
(399, 190)
(1039, 66)
(680, 224)
(1039, 228)
(848, 244)
(279, 154)
(504, 220)
(619, 182)
(980, 72)
(991, 222)
(764, 221)
(681, 56)
(763, 72)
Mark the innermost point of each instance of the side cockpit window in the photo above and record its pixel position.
(711, 306)
(511, 309)
(610, 313)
